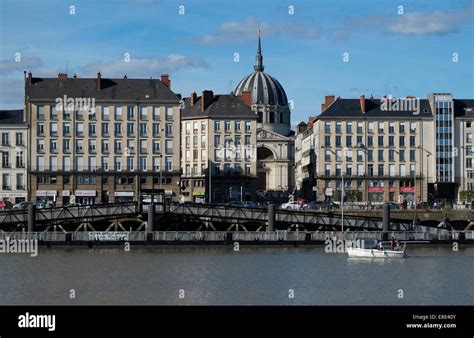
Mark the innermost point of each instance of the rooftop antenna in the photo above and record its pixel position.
(231, 85)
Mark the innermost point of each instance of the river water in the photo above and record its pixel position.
(221, 276)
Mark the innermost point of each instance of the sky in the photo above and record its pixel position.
(314, 48)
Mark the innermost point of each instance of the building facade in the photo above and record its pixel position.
(14, 153)
(98, 140)
(218, 148)
(384, 154)
(275, 139)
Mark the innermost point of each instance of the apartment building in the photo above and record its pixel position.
(388, 154)
(218, 148)
(14, 152)
(100, 140)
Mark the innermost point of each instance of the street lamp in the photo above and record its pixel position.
(364, 148)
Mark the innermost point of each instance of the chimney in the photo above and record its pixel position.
(125, 76)
(323, 107)
(30, 78)
(206, 99)
(98, 81)
(362, 103)
(193, 98)
(328, 100)
(75, 76)
(165, 78)
(62, 76)
(246, 98)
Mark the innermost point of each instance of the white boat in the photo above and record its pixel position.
(375, 253)
(368, 248)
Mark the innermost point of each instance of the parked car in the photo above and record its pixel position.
(393, 206)
(291, 205)
(21, 205)
(321, 205)
(5, 205)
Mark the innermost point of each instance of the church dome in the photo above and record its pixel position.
(266, 90)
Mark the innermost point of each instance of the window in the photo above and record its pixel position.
(247, 139)
(169, 114)
(380, 155)
(217, 126)
(370, 141)
(349, 128)
(338, 155)
(156, 113)
(391, 127)
(381, 127)
(130, 129)
(203, 141)
(40, 146)
(130, 163)
(402, 155)
(118, 113)
(348, 141)
(360, 127)
(203, 127)
(117, 164)
(237, 126)
(327, 127)
(105, 146)
(19, 160)
(19, 139)
(338, 140)
(143, 113)
(53, 146)
(143, 129)
(380, 141)
(66, 129)
(391, 155)
(6, 182)
(402, 170)
(169, 130)
(143, 163)
(327, 156)
(117, 146)
(130, 113)
(19, 182)
(79, 146)
(39, 130)
(79, 129)
(360, 169)
(156, 129)
(370, 155)
(5, 139)
(380, 169)
(412, 170)
(92, 129)
(217, 140)
(338, 127)
(105, 163)
(117, 129)
(391, 170)
(156, 146)
(412, 155)
(227, 125)
(412, 141)
(92, 146)
(401, 141)
(105, 129)
(402, 127)
(169, 147)
(40, 113)
(5, 160)
(327, 141)
(327, 170)
(371, 127)
(105, 113)
(248, 126)
(412, 127)
(169, 163)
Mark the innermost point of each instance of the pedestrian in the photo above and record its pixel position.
(392, 243)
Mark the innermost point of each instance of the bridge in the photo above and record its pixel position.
(177, 216)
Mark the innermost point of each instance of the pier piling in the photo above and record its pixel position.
(31, 217)
(271, 217)
(386, 221)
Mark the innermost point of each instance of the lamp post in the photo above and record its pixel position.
(364, 148)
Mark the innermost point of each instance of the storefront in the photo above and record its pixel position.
(376, 194)
(199, 196)
(85, 197)
(407, 194)
(123, 196)
(65, 197)
(46, 197)
(13, 197)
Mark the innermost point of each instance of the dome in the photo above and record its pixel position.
(265, 88)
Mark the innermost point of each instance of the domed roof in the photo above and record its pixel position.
(264, 87)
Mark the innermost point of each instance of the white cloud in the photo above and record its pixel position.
(144, 67)
(33, 64)
(239, 31)
(430, 23)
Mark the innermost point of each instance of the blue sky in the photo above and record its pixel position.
(407, 54)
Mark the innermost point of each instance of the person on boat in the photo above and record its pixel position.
(392, 243)
(397, 245)
(380, 246)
